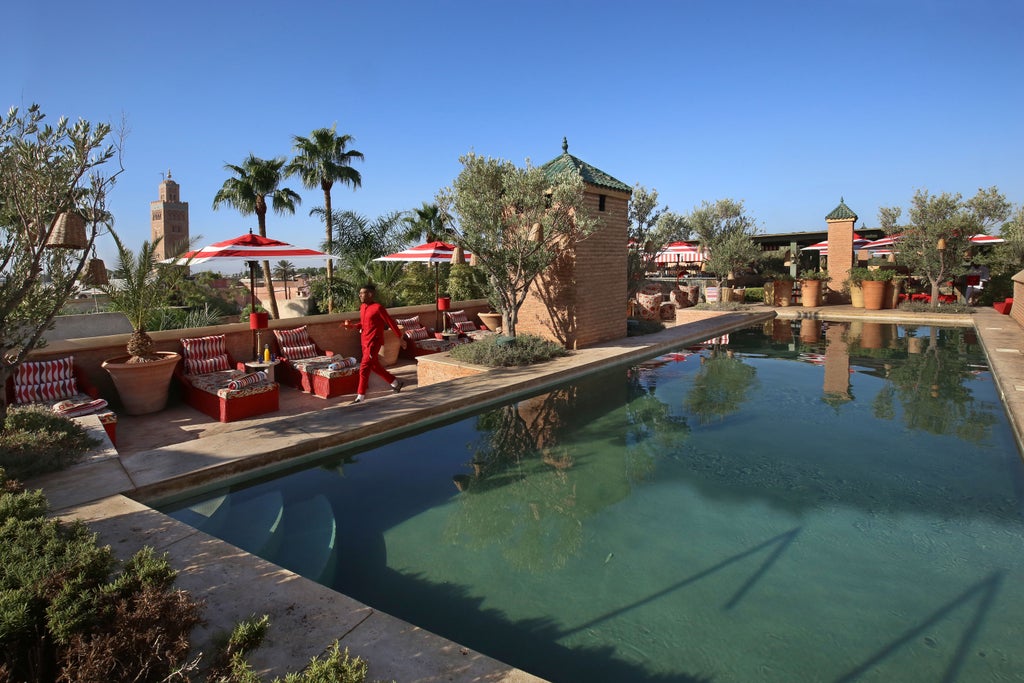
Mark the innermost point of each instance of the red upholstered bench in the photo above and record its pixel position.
(307, 367)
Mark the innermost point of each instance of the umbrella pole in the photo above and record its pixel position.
(437, 309)
(252, 304)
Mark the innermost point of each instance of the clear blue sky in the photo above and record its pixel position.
(785, 105)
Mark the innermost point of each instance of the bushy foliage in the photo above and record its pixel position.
(499, 351)
(35, 440)
(638, 327)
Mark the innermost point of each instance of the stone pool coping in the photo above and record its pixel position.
(307, 617)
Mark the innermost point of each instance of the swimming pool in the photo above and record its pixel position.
(800, 504)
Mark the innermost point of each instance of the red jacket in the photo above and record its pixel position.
(374, 320)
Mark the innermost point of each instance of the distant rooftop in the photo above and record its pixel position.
(590, 174)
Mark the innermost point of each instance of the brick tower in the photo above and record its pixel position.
(581, 299)
(840, 245)
(168, 219)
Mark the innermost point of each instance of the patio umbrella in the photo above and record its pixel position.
(885, 244)
(250, 249)
(430, 252)
(822, 247)
(680, 252)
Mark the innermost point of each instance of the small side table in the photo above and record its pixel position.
(267, 367)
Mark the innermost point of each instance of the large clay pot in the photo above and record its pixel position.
(783, 292)
(810, 293)
(874, 294)
(856, 296)
(142, 387)
(389, 352)
(491, 320)
(725, 294)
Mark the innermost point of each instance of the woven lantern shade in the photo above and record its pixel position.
(68, 232)
(537, 232)
(458, 255)
(95, 273)
(473, 261)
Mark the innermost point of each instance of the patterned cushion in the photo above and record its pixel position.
(45, 392)
(457, 317)
(217, 383)
(204, 347)
(246, 380)
(465, 326)
(417, 333)
(298, 336)
(45, 371)
(299, 352)
(409, 323)
(78, 407)
(650, 305)
(202, 366)
(328, 366)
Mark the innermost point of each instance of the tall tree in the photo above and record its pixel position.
(426, 224)
(726, 234)
(932, 244)
(254, 180)
(320, 161)
(650, 229)
(45, 170)
(283, 270)
(515, 221)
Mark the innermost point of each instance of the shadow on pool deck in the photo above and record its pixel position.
(180, 448)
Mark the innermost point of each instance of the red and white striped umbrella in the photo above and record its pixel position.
(885, 244)
(680, 252)
(431, 252)
(822, 247)
(250, 248)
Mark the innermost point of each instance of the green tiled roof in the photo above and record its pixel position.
(590, 174)
(841, 213)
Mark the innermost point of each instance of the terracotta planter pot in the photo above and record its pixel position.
(389, 352)
(810, 293)
(142, 387)
(725, 294)
(856, 296)
(491, 320)
(783, 292)
(874, 294)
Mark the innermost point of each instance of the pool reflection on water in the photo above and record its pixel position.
(800, 502)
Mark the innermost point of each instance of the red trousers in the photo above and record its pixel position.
(371, 361)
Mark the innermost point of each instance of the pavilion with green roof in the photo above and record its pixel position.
(581, 299)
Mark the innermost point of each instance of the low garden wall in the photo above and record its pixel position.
(326, 330)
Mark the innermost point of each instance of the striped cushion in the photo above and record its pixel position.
(45, 391)
(45, 371)
(417, 333)
(465, 326)
(75, 408)
(409, 323)
(299, 352)
(298, 336)
(457, 317)
(246, 380)
(201, 366)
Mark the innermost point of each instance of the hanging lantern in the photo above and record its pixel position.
(68, 232)
(95, 273)
(473, 260)
(537, 233)
(458, 255)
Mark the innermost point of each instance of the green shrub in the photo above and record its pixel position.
(497, 351)
(638, 327)
(35, 440)
(754, 295)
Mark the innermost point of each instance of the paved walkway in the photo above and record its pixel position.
(180, 448)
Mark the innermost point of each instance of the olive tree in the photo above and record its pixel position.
(45, 171)
(726, 234)
(939, 230)
(651, 229)
(515, 221)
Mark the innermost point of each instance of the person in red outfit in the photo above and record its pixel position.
(374, 321)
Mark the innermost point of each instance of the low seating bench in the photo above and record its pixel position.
(205, 374)
(318, 376)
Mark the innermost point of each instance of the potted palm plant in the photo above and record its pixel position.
(143, 376)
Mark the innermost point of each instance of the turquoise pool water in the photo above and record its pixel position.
(802, 503)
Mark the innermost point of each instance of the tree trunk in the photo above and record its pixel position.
(4, 374)
(330, 249)
(261, 217)
(935, 294)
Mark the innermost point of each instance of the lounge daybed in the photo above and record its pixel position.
(307, 367)
(460, 322)
(421, 340)
(214, 384)
(61, 386)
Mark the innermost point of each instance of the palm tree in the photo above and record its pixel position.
(426, 223)
(322, 160)
(254, 180)
(281, 271)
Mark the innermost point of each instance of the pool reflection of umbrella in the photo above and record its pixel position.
(250, 249)
(430, 252)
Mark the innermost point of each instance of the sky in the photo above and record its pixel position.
(788, 106)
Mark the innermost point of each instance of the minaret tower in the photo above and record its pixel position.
(168, 219)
